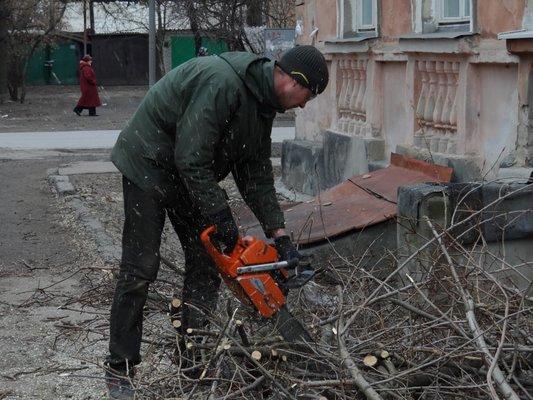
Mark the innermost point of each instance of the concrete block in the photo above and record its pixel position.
(62, 184)
(506, 225)
(510, 218)
(365, 248)
(375, 165)
(417, 203)
(302, 165)
(465, 168)
(345, 156)
(516, 175)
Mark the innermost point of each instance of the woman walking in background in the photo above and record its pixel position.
(89, 91)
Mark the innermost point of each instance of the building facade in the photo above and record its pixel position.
(442, 80)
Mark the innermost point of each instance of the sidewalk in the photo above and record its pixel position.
(88, 139)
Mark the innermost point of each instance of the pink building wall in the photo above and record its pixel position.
(395, 18)
(462, 97)
(495, 16)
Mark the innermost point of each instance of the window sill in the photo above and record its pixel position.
(440, 42)
(360, 37)
(354, 44)
(444, 34)
(513, 35)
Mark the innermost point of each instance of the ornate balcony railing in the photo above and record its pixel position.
(351, 100)
(436, 111)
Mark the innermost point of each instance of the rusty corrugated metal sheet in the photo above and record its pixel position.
(361, 201)
(403, 171)
(338, 210)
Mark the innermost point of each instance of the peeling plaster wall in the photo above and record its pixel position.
(316, 117)
(395, 18)
(326, 10)
(318, 114)
(394, 106)
(498, 114)
(492, 101)
(321, 14)
(495, 16)
(527, 20)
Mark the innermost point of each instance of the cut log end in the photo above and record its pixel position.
(256, 355)
(176, 323)
(175, 303)
(370, 360)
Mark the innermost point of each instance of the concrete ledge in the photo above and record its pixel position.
(345, 156)
(62, 184)
(465, 168)
(302, 165)
(87, 167)
(308, 166)
(504, 218)
(107, 248)
(365, 248)
(516, 175)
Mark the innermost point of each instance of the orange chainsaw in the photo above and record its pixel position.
(254, 275)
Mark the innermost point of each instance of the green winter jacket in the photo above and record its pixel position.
(201, 121)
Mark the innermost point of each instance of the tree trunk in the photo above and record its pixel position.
(192, 14)
(4, 17)
(254, 13)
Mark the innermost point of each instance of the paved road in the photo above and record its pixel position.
(87, 139)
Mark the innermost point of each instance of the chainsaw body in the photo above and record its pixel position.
(257, 288)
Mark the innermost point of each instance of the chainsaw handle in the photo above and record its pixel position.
(219, 257)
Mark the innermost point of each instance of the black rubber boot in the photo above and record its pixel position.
(119, 385)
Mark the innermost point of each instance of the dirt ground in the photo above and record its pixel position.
(55, 288)
(46, 261)
(49, 108)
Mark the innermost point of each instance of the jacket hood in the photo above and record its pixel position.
(257, 73)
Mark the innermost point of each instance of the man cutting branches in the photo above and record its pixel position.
(207, 118)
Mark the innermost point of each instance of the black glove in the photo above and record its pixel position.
(227, 232)
(303, 272)
(285, 248)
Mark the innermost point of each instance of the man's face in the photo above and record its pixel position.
(295, 95)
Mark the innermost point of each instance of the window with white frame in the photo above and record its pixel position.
(357, 17)
(453, 11)
(431, 16)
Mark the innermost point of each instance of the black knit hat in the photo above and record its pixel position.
(307, 66)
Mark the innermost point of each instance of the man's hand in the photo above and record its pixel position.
(303, 272)
(227, 232)
(286, 250)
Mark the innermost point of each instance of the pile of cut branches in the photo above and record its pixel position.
(460, 331)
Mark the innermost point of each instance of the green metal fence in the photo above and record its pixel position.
(183, 48)
(54, 64)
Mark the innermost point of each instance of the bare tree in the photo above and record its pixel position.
(232, 20)
(170, 15)
(31, 23)
(279, 13)
(5, 14)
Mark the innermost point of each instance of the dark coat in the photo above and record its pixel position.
(89, 90)
(201, 121)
